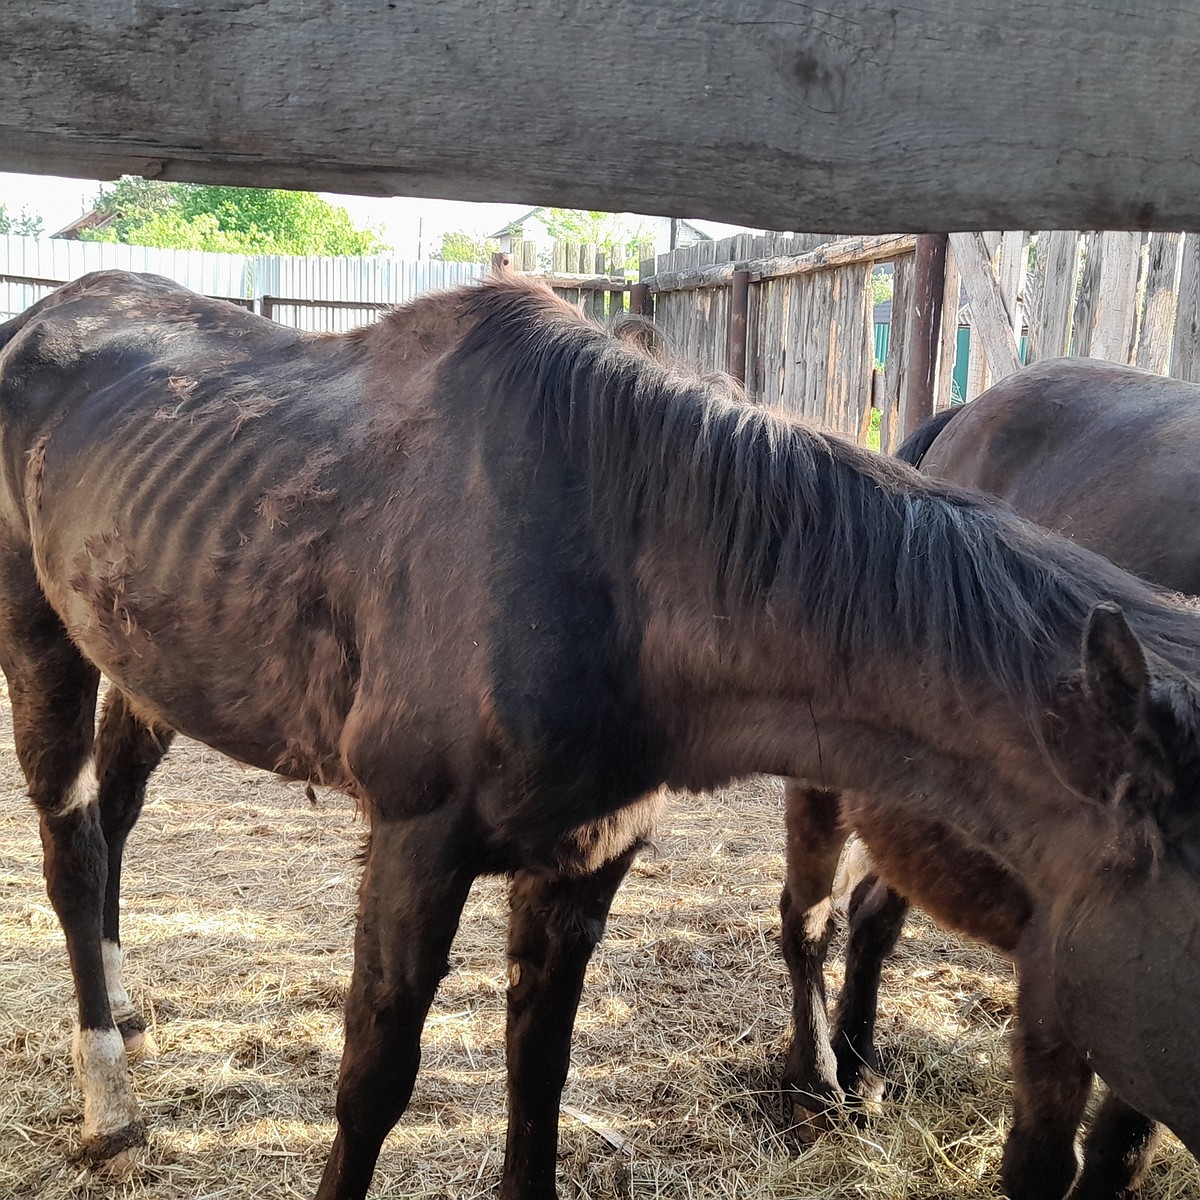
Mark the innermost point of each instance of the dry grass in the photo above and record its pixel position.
(238, 927)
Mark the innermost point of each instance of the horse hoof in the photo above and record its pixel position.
(809, 1124)
(139, 1041)
(865, 1093)
(114, 1155)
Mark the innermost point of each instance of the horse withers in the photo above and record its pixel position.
(499, 576)
(1107, 456)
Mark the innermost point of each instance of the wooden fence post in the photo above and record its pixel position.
(924, 331)
(739, 306)
(639, 300)
(500, 262)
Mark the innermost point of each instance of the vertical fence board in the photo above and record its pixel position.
(1158, 306)
(1056, 273)
(1113, 307)
(948, 348)
(895, 365)
(1185, 356)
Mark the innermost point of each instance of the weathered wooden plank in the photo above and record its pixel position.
(988, 316)
(842, 252)
(1158, 308)
(450, 98)
(1185, 357)
(948, 342)
(896, 364)
(1052, 299)
(1113, 304)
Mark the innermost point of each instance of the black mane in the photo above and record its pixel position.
(859, 548)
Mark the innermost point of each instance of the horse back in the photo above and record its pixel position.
(1076, 445)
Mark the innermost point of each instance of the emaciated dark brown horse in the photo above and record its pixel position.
(499, 577)
(1110, 457)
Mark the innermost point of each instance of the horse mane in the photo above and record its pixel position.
(861, 549)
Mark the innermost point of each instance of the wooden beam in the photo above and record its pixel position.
(856, 117)
(842, 253)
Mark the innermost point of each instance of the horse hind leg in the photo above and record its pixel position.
(52, 691)
(876, 920)
(1116, 1152)
(815, 837)
(127, 752)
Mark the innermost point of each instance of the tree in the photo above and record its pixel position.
(193, 216)
(23, 224)
(462, 247)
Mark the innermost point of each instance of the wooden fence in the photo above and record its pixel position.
(1127, 297)
(793, 319)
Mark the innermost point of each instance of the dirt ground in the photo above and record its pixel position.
(237, 924)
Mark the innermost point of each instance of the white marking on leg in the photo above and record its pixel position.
(854, 867)
(108, 1103)
(82, 791)
(118, 997)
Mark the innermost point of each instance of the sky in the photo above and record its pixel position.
(407, 224)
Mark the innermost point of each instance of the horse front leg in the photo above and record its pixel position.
(815, 837)
(415, 880)
(554, 925)
(1051, 1085)
(127, 752)
(876, 919)
(1116, 1151)
(53, 695)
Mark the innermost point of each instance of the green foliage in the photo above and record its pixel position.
(23, 224)
(192, 216)
(462, 247)
(882, 285)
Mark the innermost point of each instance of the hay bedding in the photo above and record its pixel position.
(238, 917)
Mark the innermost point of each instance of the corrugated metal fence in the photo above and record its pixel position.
(354, 289)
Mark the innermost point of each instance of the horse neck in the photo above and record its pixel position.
(740, 698)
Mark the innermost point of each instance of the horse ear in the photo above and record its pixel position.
(1115, 676)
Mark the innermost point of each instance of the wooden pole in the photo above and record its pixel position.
(639, 300)
(739, 304)
(924, 331)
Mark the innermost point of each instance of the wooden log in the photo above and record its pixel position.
(988, 316)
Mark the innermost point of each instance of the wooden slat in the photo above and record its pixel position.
(948, 347)
(1053, 294)
(1185, 357)
(1112, 307)
(895, 366)
(988, 316)
(1158, 308)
